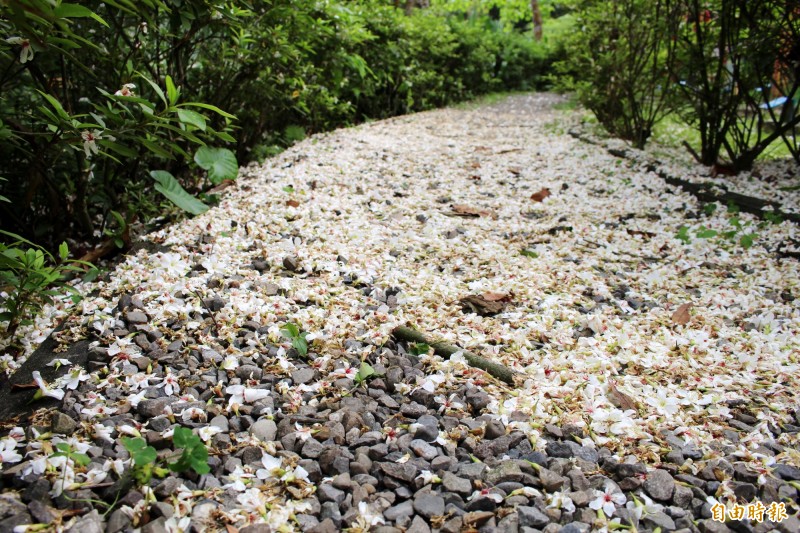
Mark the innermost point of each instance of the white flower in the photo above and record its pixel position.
(102, 432)
(607, 500)
(368, 515)
(486, 493)
(253, 501)
(90, 139)
(238, 479)
(126, 90)
(665, 405)
(428, 477)
(303, 433)
(559, 500)
(272, 467)
(58, 363)
(58, 394)
(207, 432)
(26, 52)
(8, 451)
(176, 525)
(170, 383)
(241, 394)
(73, 378)
(230, 362)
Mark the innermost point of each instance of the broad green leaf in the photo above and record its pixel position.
(181, 436)
(705, 233)
(167, 185)
(747, 240)
(190, 117)
(76, 11)
(220, 163)
(529, 253)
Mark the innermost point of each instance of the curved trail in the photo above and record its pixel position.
(636, 346)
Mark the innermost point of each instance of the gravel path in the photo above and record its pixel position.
(657, 343)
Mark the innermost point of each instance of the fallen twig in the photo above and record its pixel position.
(501, 372)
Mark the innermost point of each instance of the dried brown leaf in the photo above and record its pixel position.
(619, 399)
(496, 296)
(681, 315)
(462, 210)
(541, 195)
(292, 203)
(479, 305)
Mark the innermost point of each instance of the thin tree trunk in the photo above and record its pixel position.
(537, 20)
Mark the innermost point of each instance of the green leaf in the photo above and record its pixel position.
(683, 234)
(190, 117)
(301, 345)
(364, 372)
(167, 185)
(63, 251)
(76, 11)
(156, 88)
(182, 436)
(419, 348)
(56, 105)
(291, 330)
(210, 107)
(172, 92)
(747, 240)
(289, 189)
(529, 253)
(705, 233)
(220, 163)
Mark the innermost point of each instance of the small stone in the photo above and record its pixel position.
(400, 510)
(472, 471)
(682, 497)
(494, 429)
(418, 525)
(551, 481)
(787, 472)
(303, 375)
(136, 317)
(292, 263)
(659, 485)
(62, 424)
(712, 526)
(91, 523)
(155, 407)
(325, 526)
(404, 472)
(532, 517)
(658, 519)
(459, 485)
(477, 399)
(429, 505)
(155, 526)
(328, 493)
(505, 471)
(258, 528)
(220, 422)
(423, 449)
(312, 449)
(264, 430)
(40, 512)
(427, 433)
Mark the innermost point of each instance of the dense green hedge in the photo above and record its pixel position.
(95, 97)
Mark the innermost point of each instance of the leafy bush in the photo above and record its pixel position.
(619, 65)
(107, 108)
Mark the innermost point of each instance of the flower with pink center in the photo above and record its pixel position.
(607, 500)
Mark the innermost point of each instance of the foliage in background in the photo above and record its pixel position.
(619, 64)
(114, 113)
(735, 57)
(729, 68)
(105, 104)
